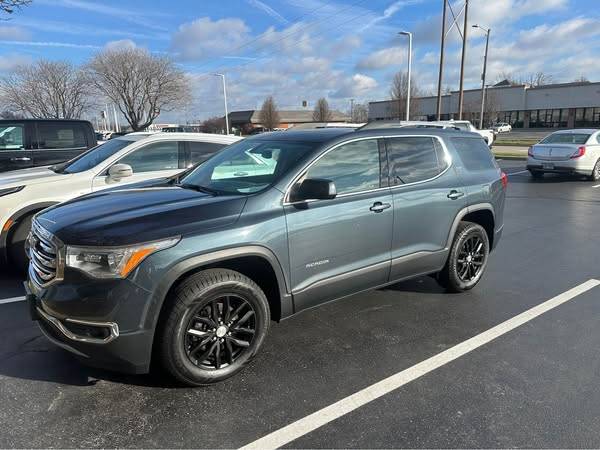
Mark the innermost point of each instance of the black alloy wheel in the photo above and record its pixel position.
(219, 332)
(212, 325)
(470, 259)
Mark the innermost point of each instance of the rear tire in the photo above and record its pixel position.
(537, 175)
(595, 176)
(213, 326)
(18, 259)
(467, 259)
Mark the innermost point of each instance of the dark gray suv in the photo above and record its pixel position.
(189, 272)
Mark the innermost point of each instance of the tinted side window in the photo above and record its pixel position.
(474, 153)
(598, 138)
(11, 137)
(353, 167)
(414, 159)
(154, 157)
(201, 151)
(53, 135)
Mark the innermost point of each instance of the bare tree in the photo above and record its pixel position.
(581, 79)
(531, 79)
(47, 89)
(360, 113)
(268, 116)
(140, 84)
(322, 113)
(398, 93)
(213, 125)
(9, 6)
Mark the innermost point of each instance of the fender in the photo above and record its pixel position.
(462, 213)
(15, 218)
(185, 266)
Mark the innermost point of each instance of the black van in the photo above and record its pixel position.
(28, 143)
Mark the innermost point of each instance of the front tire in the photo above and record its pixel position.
(18, 259)
(213, 327)
(467, 260)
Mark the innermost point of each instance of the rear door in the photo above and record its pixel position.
(427, 196)
(341, 246)
(153, 160)
(58, 141)
(15, 153)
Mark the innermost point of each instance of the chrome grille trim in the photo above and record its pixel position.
(46, 256)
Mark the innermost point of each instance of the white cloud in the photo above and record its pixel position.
(11, 61)
(268, 10)
(12, 33)
(356, 86)
(205, 38)
(389, 12)
(392, 56)
(123, 44)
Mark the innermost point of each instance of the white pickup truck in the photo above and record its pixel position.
(488, 135)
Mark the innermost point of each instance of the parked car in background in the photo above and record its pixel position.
(128, 159)
(567, 151)
(502, 127)
(193, 273)
(28, 143)
(488, 135)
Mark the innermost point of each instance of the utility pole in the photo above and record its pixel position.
(351, 110)
(117, 127)
(462, 63)
(443, 40)
(224, 99)
(409, 34)
(487, 41)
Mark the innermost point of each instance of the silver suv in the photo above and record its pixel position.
(191, 272)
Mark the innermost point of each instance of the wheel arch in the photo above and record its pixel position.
(15, 218)
(256, 262)
(482, 214)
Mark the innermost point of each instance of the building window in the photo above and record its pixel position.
(549, 118)
(587, 117)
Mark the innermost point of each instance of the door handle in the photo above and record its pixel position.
(455, 194)
(379, 207)
(20, 158)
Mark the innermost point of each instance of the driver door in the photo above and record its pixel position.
(154, 160)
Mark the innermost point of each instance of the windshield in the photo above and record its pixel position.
(93, 157)
(247, 166)
(566, 138)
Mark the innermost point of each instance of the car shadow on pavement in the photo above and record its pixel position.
(418, 285)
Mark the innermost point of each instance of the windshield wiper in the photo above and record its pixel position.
(198, 188)
(58, 168)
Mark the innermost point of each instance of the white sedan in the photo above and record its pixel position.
(128, 159)
(502, 128)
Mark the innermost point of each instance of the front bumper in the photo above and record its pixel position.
(107, 341)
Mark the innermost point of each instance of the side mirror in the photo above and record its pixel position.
(313, 189)
(119, 171)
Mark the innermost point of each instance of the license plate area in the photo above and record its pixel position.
(548, 166)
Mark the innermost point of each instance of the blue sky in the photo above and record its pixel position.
(303, 49)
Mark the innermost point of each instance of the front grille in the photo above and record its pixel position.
(43, 255)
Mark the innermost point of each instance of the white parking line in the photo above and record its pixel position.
(332, 412)
(12, 300)
(517, 173)
(597, 186)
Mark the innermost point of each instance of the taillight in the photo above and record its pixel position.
(579, 153)
(504, 179)
(530, 151)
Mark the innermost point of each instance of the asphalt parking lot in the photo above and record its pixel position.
(532, 386)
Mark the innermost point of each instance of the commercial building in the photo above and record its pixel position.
(566, 105)
(246, 121)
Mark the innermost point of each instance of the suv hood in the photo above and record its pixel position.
(26, 177)
(133, 216)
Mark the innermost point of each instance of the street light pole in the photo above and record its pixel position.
(409, 34)
(487, 42)
(225, 100)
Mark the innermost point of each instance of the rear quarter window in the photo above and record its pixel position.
(474, 153)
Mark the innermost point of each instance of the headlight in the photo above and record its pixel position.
(113, 262)
(11, 190)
